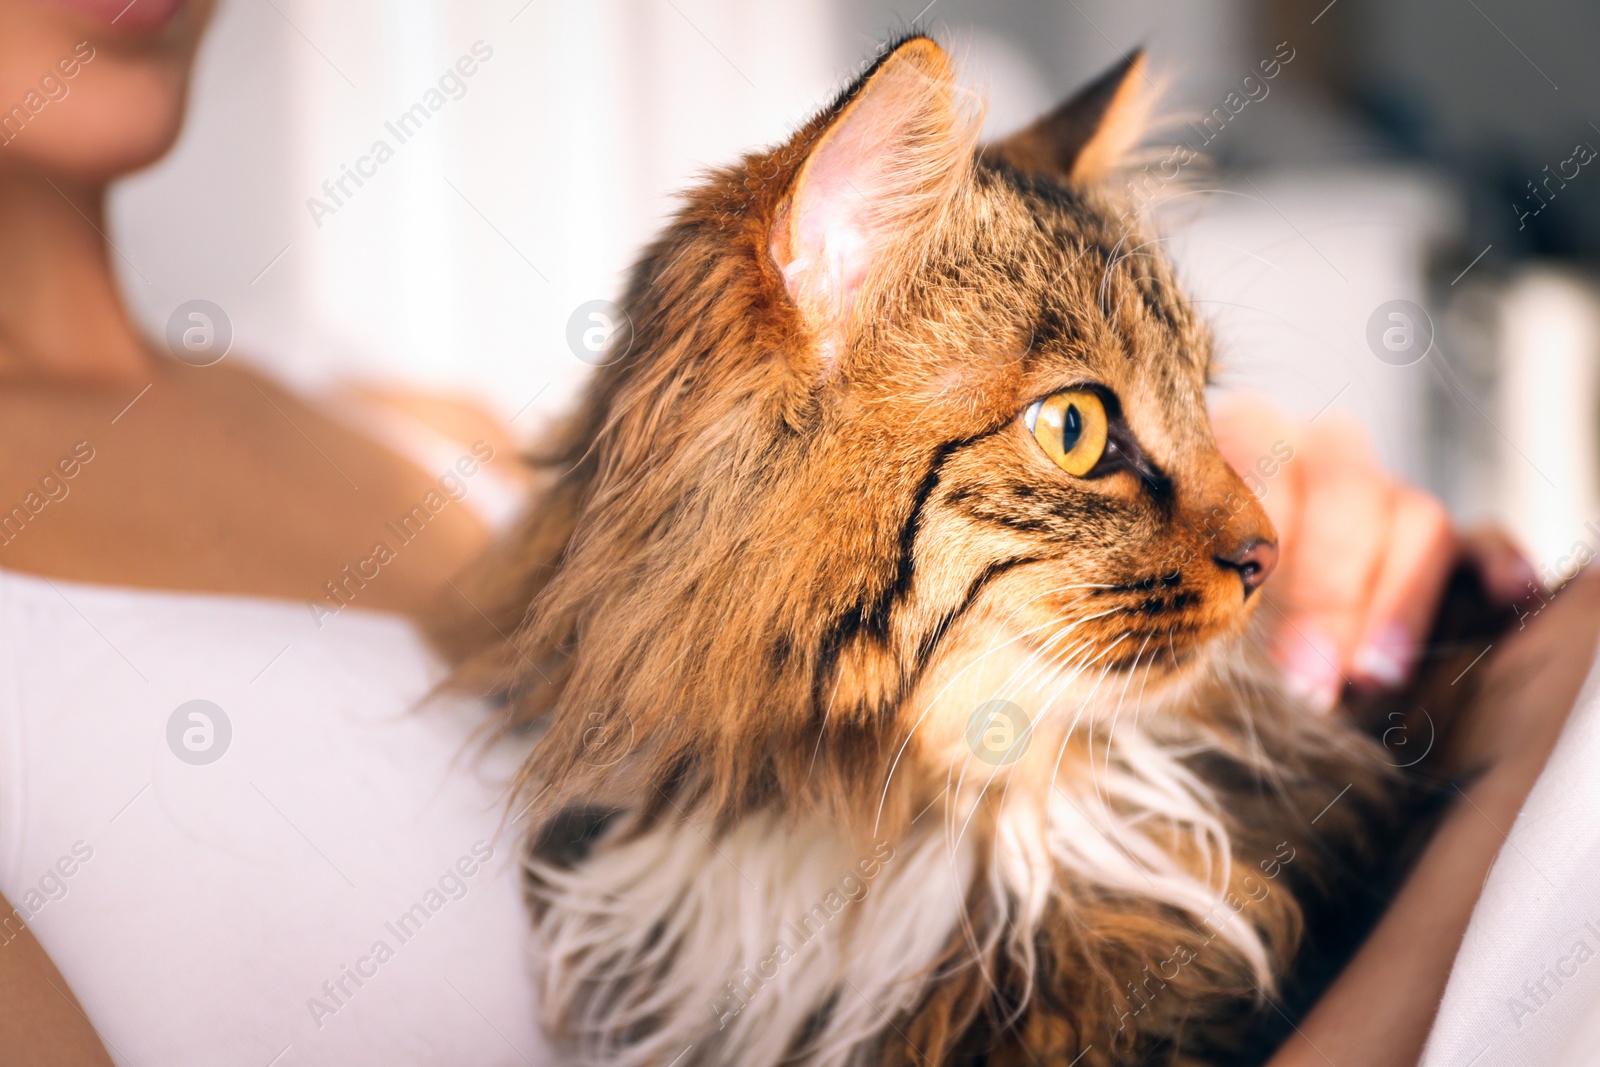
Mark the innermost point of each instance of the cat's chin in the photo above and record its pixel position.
(1000, 701)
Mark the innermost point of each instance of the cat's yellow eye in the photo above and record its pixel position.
(1071, 428)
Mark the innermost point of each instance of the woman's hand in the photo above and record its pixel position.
(1380, 1009)
(1363, 562)
(1363, 558)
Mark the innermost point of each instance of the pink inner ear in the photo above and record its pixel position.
(831, 244)
(875, 179)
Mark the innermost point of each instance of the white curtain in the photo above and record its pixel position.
(525, 191)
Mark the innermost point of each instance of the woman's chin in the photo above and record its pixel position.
(102, 129)
(92, 108)
(96, 154)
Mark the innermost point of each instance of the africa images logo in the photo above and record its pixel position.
(199, 732)
(1399, 332)
(451, 85)
(999, 732)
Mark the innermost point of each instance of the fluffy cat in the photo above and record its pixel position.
(886, 619)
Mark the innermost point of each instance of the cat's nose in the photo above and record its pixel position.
(1253, 561)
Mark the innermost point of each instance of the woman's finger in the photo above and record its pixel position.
(1506, 572)
(1420, 551)
(1345, 512)
(1258, 441)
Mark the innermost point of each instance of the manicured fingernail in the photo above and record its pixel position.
(1313, 674)
(1516, 580)
(1319, 698)
(1387, 658)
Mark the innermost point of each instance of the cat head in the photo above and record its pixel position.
(894, 400)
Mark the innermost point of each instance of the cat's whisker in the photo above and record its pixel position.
(1251, 689)
(930, 704)
(1037, 662)
(1089, 740)
(1207, 834)
(1068, 669)
(1111, 733)
(1050, 591)
(1102, 783)
(822, 727)
(1145, 682)
(970, 664)
(1038, 721)
(952, 858)
(1105, 274)
(1116, 713)
(1023, 635)
(1006, 691)
(1065, 665)
(1049, 667)
(995, 768)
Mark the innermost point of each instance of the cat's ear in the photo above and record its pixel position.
(888, 159)
(1087, 137)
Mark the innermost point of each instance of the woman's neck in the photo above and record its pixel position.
(61, 316)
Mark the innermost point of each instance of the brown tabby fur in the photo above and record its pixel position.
(757, 554)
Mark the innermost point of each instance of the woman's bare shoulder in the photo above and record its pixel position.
(219, 479)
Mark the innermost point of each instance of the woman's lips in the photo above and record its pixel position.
(132, 16)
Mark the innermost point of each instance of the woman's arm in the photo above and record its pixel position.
(41, 1024)
(1363, 560)
(1379, 1011)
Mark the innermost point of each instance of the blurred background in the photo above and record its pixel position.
(1397, 216)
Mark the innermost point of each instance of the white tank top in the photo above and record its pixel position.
(242, 841)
